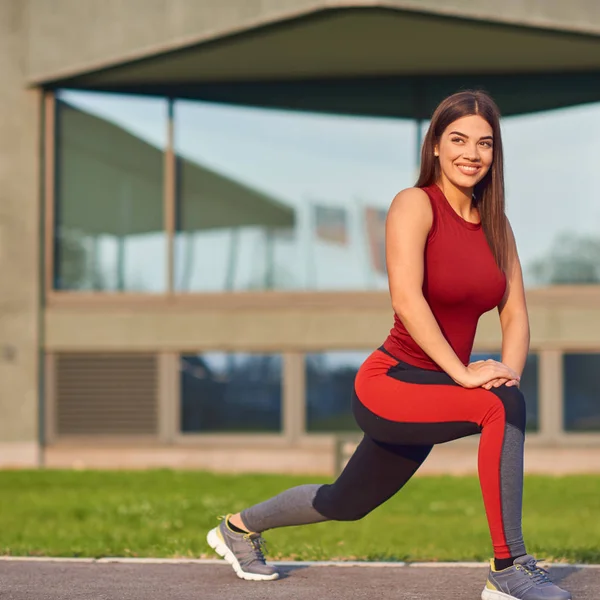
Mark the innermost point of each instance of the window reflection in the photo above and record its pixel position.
(529, 385)
(109, 192)
(552, 202)
(582, 392)
(329, 385)
(238, 393)
(284, 200)
(274, 199)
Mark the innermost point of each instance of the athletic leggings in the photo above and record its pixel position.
(403, 411)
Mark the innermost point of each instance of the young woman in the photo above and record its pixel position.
(451, 256)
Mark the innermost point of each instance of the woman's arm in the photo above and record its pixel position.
(408, 223)
(514, 319)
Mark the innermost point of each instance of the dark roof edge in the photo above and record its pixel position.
(178, 44)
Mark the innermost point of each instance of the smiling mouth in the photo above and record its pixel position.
(469, 169)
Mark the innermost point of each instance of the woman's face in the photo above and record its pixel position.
(465, 151)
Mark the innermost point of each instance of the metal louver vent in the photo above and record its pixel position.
(106, 394)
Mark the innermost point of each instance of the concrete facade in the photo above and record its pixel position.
(19, 243)
(292, 322)
(44, 42)
(66, 37)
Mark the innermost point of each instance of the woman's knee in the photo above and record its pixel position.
(329, 502)
(513, 402)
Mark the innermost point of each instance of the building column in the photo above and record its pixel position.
(550, 395)
(20, 110)
(294, 396)
(169, 397)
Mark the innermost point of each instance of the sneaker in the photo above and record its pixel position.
(523, 581)
(243, 551)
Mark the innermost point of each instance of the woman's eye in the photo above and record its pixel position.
(487, 144)
(456, 139)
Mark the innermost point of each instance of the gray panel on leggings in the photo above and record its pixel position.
(511, 488)
(292, 507)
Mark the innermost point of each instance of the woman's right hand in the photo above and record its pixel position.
(481, 372)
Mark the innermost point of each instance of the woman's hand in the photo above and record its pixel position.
(501, 381)
(486, 373)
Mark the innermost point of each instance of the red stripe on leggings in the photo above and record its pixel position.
(402, 402)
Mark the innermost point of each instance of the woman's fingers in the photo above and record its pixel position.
(491, 373)
(499, 368)
(500, 375)
(495, 383)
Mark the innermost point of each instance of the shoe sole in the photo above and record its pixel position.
(488, 594)
(215, 542)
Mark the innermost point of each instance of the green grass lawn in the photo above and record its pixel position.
(167, 514)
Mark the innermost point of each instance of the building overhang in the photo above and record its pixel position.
(369, 60)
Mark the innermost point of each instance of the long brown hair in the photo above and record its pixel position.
(488, 194)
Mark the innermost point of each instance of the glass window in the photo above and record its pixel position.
(274, 199)
(109, 192)
(329, 385)
(330, 381)
(223, 392)
(529, 385)
(582, 392)
(551, 178)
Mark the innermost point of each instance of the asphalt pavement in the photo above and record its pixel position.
(212, 580)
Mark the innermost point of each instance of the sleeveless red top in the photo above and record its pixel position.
(461, 282)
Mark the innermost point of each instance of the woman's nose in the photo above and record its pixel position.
(472, 152)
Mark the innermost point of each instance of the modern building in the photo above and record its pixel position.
(193, 194)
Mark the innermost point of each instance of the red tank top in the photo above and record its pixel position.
(461, 282)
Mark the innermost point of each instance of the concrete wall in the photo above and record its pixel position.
(563, 318)
(68, 37)
(559, 320)
(71, 36)
(19, 245)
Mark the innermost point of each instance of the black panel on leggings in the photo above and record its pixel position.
(374, 473)
(384, 430)
(514, 405)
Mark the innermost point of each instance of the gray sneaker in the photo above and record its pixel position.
(243, 551)
(523, 581)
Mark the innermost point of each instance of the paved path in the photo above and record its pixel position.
(102, 580)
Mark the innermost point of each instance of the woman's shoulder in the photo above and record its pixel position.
(412, 205)
(412, 199)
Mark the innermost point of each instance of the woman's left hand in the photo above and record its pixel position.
(498, 382)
